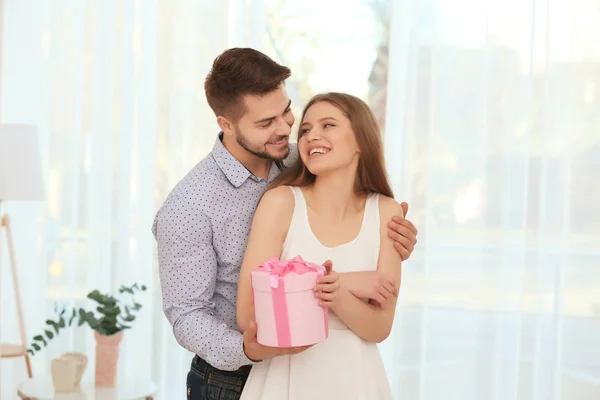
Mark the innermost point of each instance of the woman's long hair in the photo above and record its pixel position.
(371, 175)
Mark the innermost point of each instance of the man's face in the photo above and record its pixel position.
(265, 128)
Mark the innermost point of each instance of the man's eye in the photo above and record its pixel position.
(267, 124)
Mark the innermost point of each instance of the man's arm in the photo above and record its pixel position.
(188, 275)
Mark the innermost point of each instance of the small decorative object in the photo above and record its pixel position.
(81, 361)
(114, 317)
(287, 312)
(64, 373)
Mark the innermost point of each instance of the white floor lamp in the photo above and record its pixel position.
(20, 179)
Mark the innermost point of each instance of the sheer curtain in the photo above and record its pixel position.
(493, 137)
(116, 89)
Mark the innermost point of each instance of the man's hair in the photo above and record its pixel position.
(237, 72)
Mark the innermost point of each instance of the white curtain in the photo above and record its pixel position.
(116, 89)
(493, 137)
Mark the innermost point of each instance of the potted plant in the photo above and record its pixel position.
(111, 318)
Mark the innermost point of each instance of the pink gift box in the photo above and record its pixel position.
(286, 310)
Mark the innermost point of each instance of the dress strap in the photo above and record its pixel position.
(299, 222)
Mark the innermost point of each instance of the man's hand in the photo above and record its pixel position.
(403, 233)
(369, 285)
(257, 352)
(327, 287)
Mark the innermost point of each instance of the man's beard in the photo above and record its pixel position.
(246, 145)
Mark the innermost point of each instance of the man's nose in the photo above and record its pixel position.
(282, 128)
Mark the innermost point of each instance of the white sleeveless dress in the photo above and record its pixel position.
(343, 366)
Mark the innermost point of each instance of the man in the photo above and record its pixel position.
(203, 226)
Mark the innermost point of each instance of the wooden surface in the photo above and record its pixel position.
(12, 350)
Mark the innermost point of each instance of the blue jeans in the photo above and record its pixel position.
(204, 382)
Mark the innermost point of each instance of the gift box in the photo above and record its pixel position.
(286, 310)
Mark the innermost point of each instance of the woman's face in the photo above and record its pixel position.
(326, 141)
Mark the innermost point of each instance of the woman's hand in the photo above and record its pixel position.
(328, 286)
(371, 285)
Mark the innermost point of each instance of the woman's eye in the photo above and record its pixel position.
(303, 131)
(327, 125)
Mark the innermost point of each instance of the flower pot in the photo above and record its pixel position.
(81, 361)
(64, 374)
(107, 358)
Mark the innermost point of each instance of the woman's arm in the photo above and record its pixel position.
(369, 285)
(269, 228)
(370, 322)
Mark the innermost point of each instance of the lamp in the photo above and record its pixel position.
(20, 179)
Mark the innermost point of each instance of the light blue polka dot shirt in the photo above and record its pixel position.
(201, 232)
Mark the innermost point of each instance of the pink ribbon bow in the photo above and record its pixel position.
(278, 269)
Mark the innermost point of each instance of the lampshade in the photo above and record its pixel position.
(20, 163)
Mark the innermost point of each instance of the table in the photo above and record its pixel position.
(42, 389)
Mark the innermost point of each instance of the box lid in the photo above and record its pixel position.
(292, 281)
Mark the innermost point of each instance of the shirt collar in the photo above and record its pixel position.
(273, 172)
(234, 170)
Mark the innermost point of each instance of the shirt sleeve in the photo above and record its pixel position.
(188, 276)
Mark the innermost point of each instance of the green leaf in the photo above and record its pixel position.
(40, 338)
(96, 296)
(82, 317)
(72, 317)
(62, 322)
(53, 324)
(108, 310)
(143, 287)
(36, 347)
(126, 290)
(49, 334)
(30, 352)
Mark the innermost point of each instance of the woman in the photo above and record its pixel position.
(333, 205)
